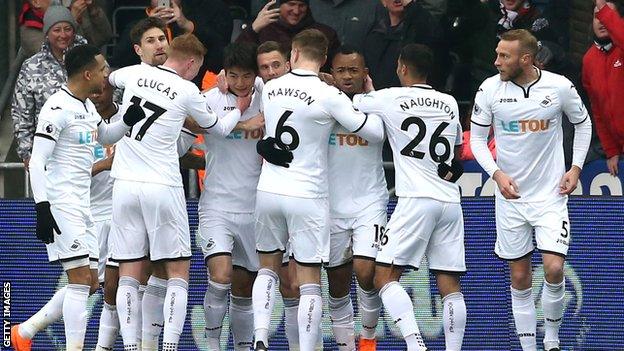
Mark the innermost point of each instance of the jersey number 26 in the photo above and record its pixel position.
(436, 139)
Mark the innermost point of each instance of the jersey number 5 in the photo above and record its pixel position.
(436, 139)
(156, 110)
(281, 129)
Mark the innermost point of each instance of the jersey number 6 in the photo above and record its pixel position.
(281, 129)
(157, 111)
(436, 139)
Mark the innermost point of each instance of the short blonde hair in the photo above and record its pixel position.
(186, 46)
(312, 43)
(528, 42)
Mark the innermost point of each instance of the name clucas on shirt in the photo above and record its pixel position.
(428, 102)
(296, 93)
(158, 86)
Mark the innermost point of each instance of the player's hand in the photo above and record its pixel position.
(451, 173)
(327, 78)
(368, 84)
(162, 12)
(612, 165)
(133, 115)
(569, 181)
(506, 185)
(254, 123)
(265, 17)
(46, 225)
(222, 84)
(267, 148)
(243, 102)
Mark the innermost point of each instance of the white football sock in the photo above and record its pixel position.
(48, 314)
(140, 332)
(241, 322)
(523, 308)
(369, 305)
(399, 306)
(109, 327)
(174, 311)
(291, 326)
(75, 315)
(454, 320)
(552, 304)
(341, 314)
(309, 315)
(127, 311)
(215, 307)
(153, 319)
(263, 300)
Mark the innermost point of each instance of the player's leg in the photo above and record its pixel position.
(552, 233)
(446, 255)
(108, 278)
(271, 239)
(241, 308)
(176, 300)
(406, 239)
(340, 275)
(152, 302)
(246, 264)
(366, 240)
(75, 306)
(308, 227)
(216, 296)
(215, 235)
(289, 289)
(514, 243)
(130, 248)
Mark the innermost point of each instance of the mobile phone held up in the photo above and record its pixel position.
(164, 3)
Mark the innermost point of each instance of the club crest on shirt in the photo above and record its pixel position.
(546, 102)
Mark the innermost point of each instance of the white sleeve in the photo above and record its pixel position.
(51, 122)
(185, 141)
(369, 127)
(207, 119)
(481, 121)
(118, 77)
(577, 114)
(111, 133)
(368, 103)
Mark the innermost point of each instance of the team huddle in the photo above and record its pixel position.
(294, 183)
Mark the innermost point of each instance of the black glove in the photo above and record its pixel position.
(452, 172)
(133, 115)
(268, 150)
(45, 223)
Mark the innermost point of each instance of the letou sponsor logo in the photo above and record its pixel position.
(526, 125)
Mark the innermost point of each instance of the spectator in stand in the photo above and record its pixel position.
(92, 22)
(603, 78)
(212, 25)
(31, 25)
(523, 14)
(405, 22)
(351, 19)
(283, 23)
(42, 75)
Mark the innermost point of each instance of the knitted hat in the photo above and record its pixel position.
(56, 14)
(280, 2)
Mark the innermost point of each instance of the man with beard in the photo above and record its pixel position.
(526, 106)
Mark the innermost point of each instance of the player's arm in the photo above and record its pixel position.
(575, 110)
(102, 165)
(453, 171)
(208, 121)
(368, 126)
(480, 124)
(111, 133)
(47, 133)
(118, 77)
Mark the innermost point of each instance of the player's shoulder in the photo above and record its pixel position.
(555, 80)
(490, 83)
(213, 94)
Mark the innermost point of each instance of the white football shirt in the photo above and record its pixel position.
(102, 183)
(72, 123)
(300, 112)
(148, 153)
(356, 175)
(232, 176)
(423, 128)
(528, 130)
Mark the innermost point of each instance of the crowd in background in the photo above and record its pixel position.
(462, 34)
